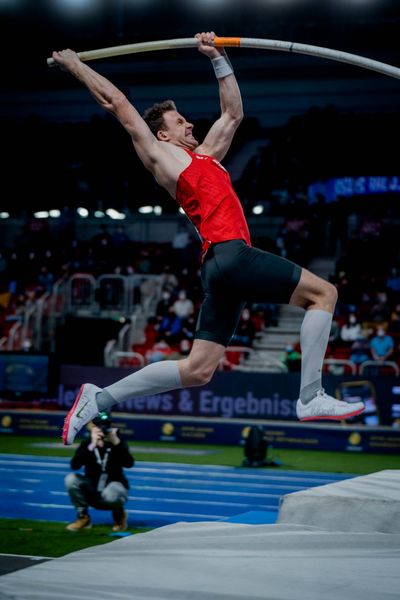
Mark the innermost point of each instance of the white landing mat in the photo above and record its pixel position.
(370, 503)
(220, 561)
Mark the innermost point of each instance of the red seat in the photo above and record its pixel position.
(342, 352)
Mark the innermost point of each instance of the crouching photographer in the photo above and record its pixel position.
(103, 484)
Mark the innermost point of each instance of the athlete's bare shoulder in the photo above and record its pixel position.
(173, 157)
(171, 161)
(176, 152)
(201, 150)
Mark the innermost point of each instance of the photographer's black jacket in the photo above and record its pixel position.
(118, 458)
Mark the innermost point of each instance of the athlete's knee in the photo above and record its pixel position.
(197, 372)
(330, 293)
(314, 292)
(201, 375)
(324, 297)
(199, 367)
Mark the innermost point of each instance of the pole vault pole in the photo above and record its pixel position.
(263, 44)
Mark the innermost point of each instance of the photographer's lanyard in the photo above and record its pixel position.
(103, 463)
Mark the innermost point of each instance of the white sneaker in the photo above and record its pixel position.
(327, 407)
(84, 410)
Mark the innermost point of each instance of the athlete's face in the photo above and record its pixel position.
(177, 131)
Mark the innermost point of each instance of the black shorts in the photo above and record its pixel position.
(234, 273)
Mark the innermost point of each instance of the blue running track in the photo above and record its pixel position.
(160, 493)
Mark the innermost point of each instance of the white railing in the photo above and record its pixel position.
(109, 350)
(127, 359)
(81, 293)
(341, 364)
(388, 364)
(124, 342)
(113, 293)
(124, 338)
(150, 291)
(246, 353)
(58, 299)
(271, 361)
(28, 326)
(41, 323)
(14, 339)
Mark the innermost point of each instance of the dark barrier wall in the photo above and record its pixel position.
(236, 395)
(338, 437)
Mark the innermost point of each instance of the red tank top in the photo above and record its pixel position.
(205, 192)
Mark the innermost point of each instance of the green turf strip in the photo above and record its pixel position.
(40, 538)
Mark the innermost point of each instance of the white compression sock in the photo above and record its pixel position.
(155, 378)
(314, 337)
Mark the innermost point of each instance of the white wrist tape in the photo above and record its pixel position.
(221, 66)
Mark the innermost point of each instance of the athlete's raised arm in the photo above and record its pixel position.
(219, 138)
(115, 102)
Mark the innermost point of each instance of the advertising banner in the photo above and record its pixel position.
(238, 395)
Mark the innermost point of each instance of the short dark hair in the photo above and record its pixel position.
(154, 116)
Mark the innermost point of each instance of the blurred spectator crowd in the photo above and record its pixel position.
(360, 235)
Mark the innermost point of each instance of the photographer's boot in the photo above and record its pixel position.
(82, 522)
(120, 517)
